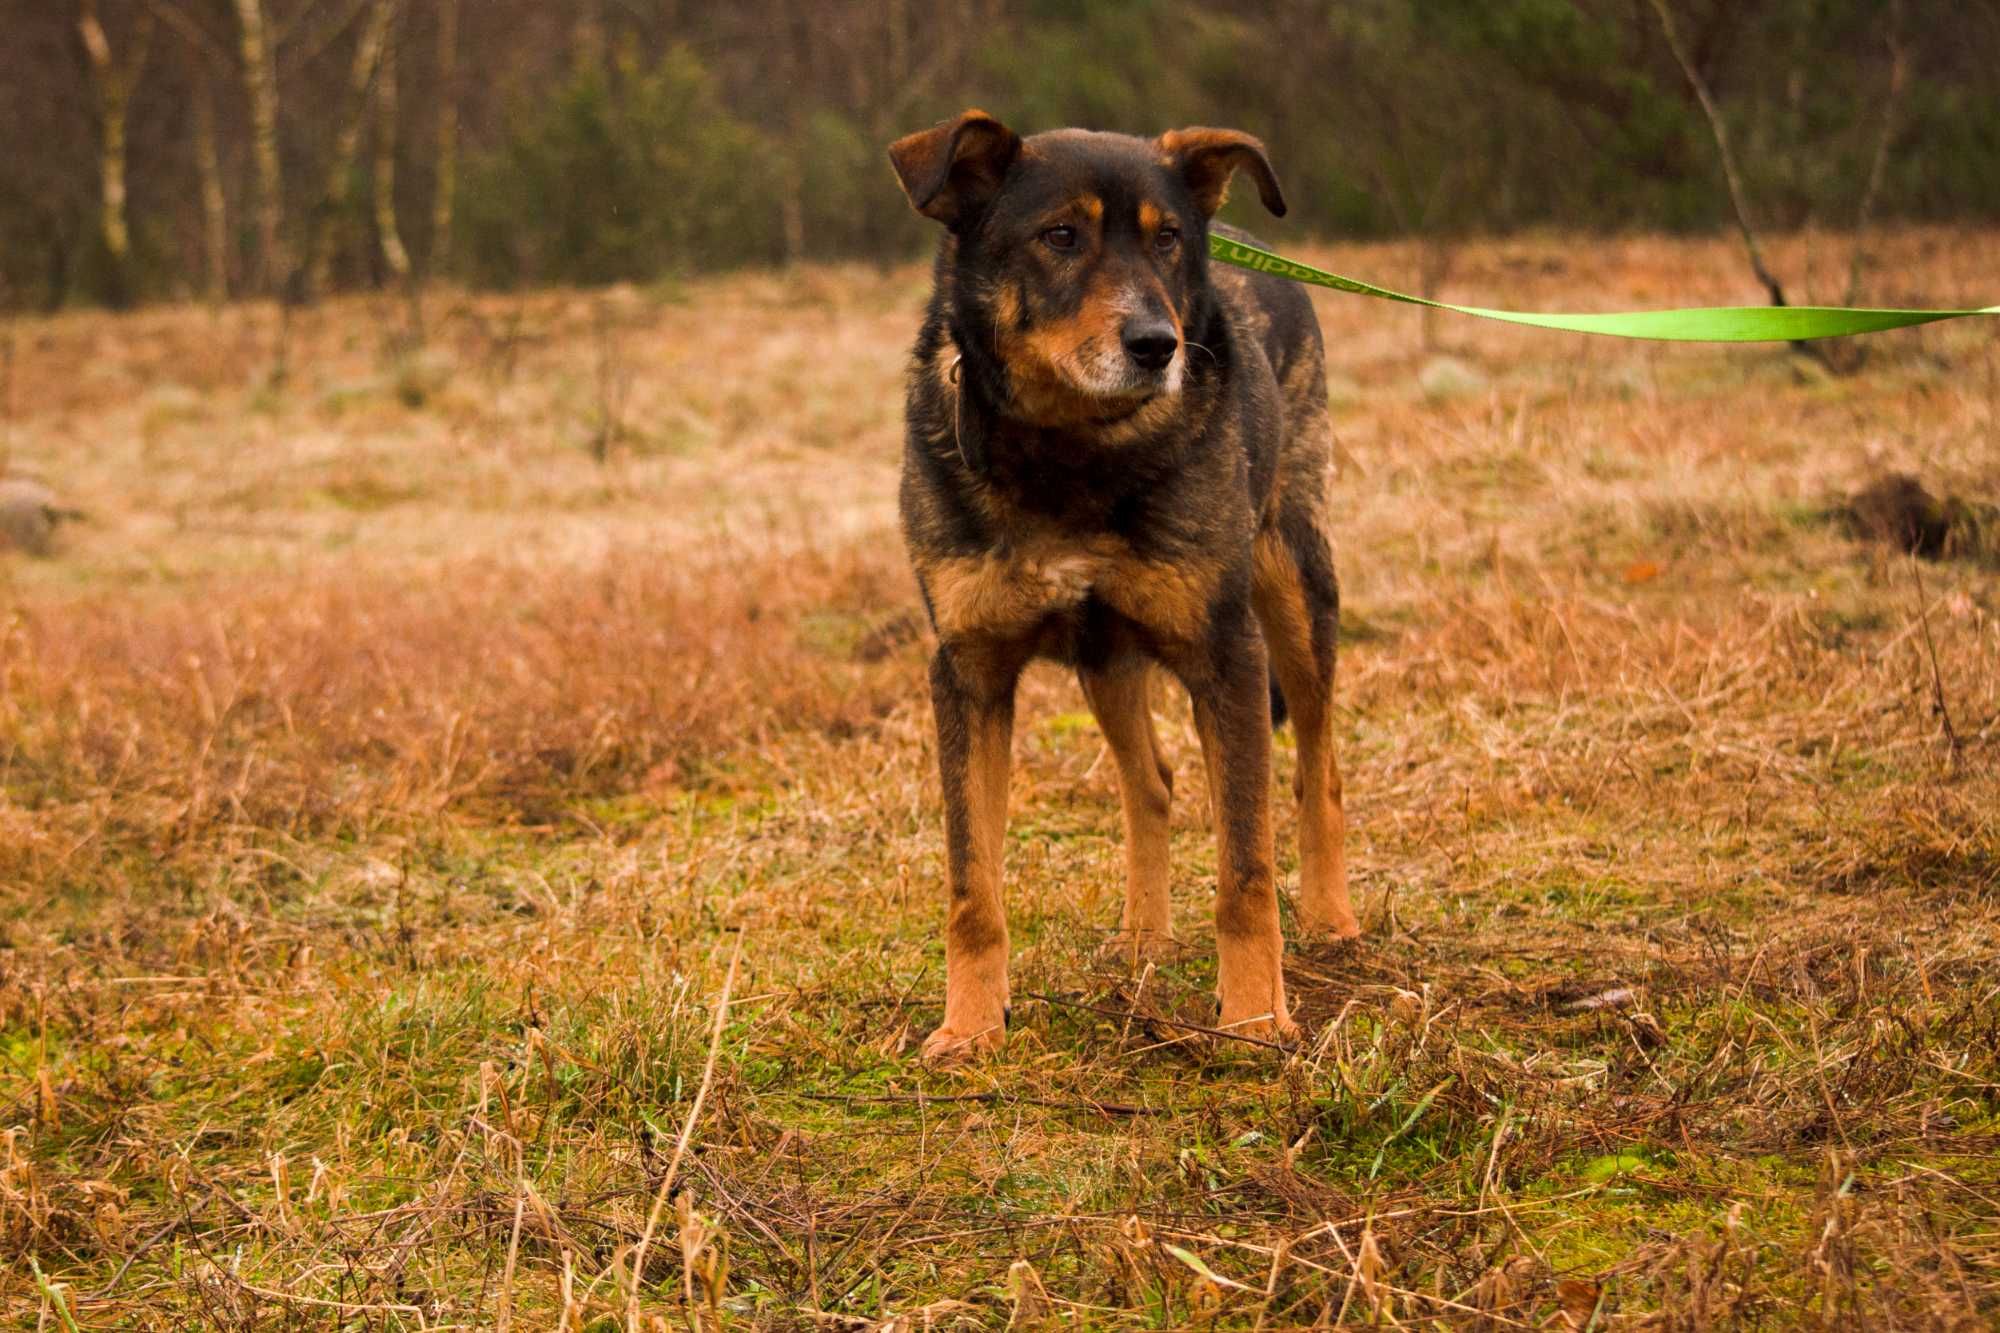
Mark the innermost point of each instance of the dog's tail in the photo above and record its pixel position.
(1280, 710)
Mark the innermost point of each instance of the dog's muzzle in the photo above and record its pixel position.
(1150, 342)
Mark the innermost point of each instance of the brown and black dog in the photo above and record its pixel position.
(1117, 457)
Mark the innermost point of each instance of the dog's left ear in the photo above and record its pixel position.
(1207, 158)
(951, 169)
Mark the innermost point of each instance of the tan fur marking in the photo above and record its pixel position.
(975, 986)
(1208, 157)
(1006, 304)
(1150, 219)
(1010, 593)
(1034, 375)
(1176, 145)
(1036, 360)
(1249, 948)
(1279, 598)
(1120, 702)
(1167, 598)
(1041, 395)
(1000, 594)
(1041, 392)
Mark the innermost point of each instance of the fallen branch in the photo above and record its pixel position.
(990, 1098)
(1129, 1014)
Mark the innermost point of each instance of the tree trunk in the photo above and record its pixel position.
(214, 205)
(589, 46)
(447, 136)
(346, 147)
(1864, 213)
(393, 252)
(792, 218)
(112, 82)
(260, 82)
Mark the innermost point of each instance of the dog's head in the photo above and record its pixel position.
(1078, 259)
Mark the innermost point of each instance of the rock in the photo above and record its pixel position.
(1897, 509)
(1448, 377)
(29, 513)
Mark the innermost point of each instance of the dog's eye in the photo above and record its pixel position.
(1060, 238)
(1166, 239)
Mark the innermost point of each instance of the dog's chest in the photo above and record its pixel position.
(1033, 588)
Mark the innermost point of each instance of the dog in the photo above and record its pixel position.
(1120, 459)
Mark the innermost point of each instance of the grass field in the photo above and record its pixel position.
(398, 755)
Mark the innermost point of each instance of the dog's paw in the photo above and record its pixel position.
(948, 1046)
(1261, 1025)
(1329, 926)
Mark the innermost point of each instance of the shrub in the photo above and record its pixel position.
(630, 174)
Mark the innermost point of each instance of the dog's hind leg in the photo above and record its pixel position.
(972, 694)
(1298, 605)
(1119, 696)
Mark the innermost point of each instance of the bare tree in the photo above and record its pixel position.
(214, 203)
(445, 198)
(1732, 174)
(1892, 103)
(1719, 128)
(204, 54)
(112, 81)
(1462, 118)
(393, 252)
(588, 41)
(260, 81)
(347, 144)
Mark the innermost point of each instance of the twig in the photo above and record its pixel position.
(1720, 130)
(1109, 1012)
(345, 1307)
(144, 1246)
(504, 1317)
(1332, 1230)
(1107, 1109)
(197, 36)
(1864, 213)
(1937, 677)
(680, 1147)
(1739, 202)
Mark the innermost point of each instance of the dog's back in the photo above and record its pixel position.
(1278, 318)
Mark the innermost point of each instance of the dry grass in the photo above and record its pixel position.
(388, 783)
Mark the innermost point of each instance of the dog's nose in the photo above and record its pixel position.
(1150, 341)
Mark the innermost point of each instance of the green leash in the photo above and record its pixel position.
(1715, 324)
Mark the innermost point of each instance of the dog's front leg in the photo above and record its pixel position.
(972, 695)
(1118, 698)
(1232, 714)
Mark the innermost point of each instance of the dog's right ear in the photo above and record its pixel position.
(953, 168)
